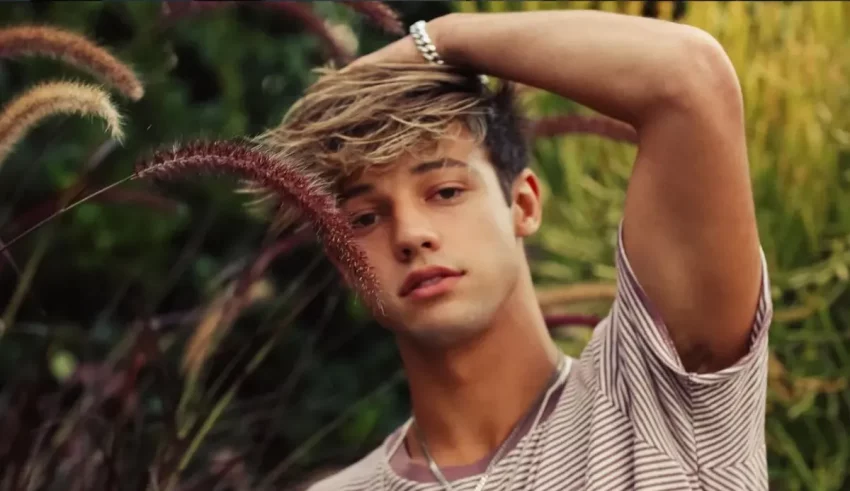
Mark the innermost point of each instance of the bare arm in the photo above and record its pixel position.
(689, 222)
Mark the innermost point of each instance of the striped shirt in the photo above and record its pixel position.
(628, 416)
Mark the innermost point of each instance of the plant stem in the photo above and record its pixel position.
(252, 365)
(25, 281)
(62, 211)
(281, 468)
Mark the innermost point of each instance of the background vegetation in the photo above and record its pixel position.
(119, 367)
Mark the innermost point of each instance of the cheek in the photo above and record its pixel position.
(481, 236)
(377, 252)
(493, 222)
(380, 256)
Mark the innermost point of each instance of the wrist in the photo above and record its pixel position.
(439, 29)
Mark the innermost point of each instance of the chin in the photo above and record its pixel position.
(443, 328)
(440, 335)
(440, 321)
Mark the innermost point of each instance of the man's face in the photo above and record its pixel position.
(444, 243)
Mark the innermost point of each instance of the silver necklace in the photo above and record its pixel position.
(435, 469)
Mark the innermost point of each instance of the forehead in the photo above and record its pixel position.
(461, 153)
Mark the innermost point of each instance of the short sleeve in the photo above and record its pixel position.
(709, 420)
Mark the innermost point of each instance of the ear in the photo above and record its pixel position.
(527, 206)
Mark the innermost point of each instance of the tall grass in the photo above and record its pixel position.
(794, 67)
(135, 419)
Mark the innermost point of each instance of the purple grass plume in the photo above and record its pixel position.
(301, 12)
(310, 21)
(380, 14)
(294, 187)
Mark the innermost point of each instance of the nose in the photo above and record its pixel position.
(414, 235)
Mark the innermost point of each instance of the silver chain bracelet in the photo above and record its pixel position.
(426, 46)
(424, 43)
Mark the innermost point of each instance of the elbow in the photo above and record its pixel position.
(702, 77)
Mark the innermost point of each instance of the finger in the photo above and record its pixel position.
(400, 51)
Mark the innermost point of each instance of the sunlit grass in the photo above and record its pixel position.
(793, 65)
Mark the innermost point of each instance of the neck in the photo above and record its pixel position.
(468, 397)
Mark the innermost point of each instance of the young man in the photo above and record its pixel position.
(431, 167)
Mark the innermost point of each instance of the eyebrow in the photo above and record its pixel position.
(421, 168)
(437, 164)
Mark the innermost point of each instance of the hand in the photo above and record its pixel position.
(400, 51)
(404, 50)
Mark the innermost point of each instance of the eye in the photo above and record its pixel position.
(448, 193)
(364, 220)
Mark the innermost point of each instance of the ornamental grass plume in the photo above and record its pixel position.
(214, 322)
(576, 123)
(74, 49)
(313, 23)
(48, 99)
(380, 14)
(285, 178)
(301, 12)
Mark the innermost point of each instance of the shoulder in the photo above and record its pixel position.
(355, 477)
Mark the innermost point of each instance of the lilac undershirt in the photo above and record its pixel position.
(404, 466)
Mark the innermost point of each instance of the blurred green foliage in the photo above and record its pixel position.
(793, 71)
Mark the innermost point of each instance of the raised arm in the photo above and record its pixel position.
(689, 226)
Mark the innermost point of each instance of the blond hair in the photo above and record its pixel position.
(369, 116)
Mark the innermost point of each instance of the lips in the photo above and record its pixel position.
(425, 277)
